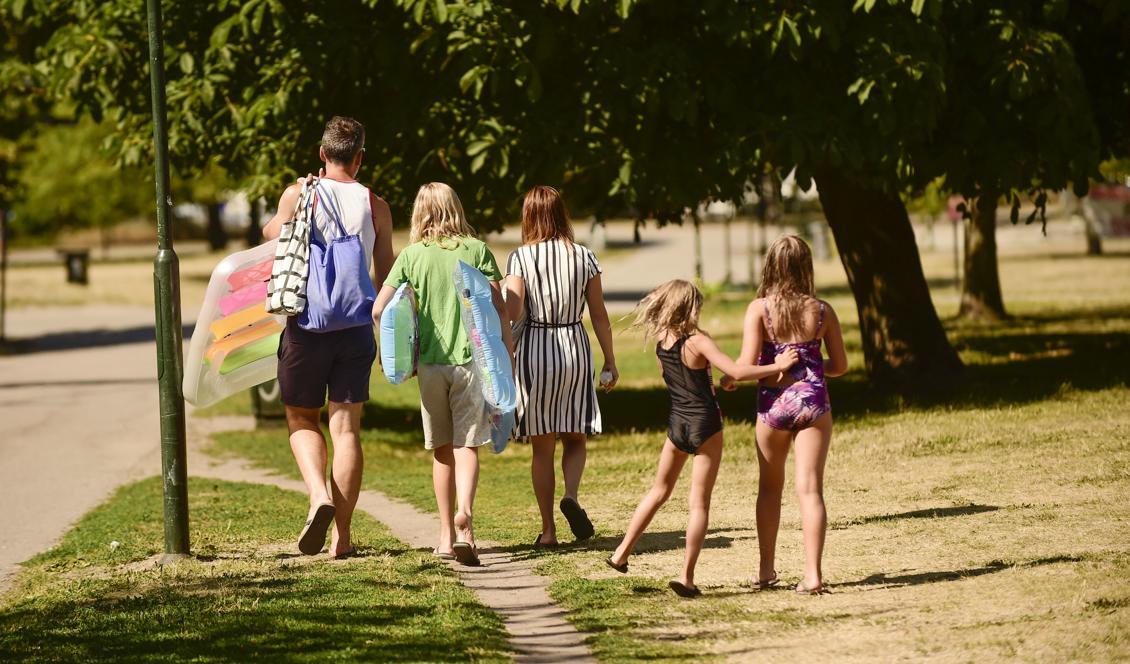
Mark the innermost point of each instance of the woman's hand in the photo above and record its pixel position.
(609, 376)
(729, 383)
(785, 359)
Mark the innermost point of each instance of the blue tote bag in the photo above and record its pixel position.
(339, 292)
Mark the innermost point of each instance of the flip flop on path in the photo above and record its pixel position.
(766, 584)
(465, 554)
(578, 519)
(313, 536)
(683, 590)
(801, 589)
(443, 556)
(351, 552)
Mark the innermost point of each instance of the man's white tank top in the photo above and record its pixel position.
(352, 201)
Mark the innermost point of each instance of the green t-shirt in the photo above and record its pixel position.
(429, 267)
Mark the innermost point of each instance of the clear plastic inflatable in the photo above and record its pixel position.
(488, 350)
(400, 343)
(235, 342)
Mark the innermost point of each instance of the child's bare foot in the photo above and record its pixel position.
(464, 528)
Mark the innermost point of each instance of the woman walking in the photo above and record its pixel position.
(550, 281)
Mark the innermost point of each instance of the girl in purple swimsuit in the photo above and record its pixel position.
(794, 404)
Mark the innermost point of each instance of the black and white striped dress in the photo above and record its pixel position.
(556, 390)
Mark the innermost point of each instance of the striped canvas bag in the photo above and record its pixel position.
(286, 291)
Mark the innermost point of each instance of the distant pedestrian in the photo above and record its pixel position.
(793, 406)
(456, 422)
(670, 314)
(313, 360)
(550, 281)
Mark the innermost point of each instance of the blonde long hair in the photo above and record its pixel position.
(672, 307)
(544, 216)
(787, 276)
(437, 214)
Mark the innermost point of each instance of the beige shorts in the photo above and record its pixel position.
(452, 405)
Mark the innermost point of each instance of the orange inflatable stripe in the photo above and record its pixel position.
(239, 319)
(241, 339)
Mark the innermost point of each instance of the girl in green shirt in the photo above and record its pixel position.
(451, 402)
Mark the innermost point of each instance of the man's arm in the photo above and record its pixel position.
(382, 248)
(284, 213)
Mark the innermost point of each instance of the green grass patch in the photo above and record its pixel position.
(244, 595)
(983, 521)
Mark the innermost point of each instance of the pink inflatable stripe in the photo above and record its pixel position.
(251, 275)
(254, 294)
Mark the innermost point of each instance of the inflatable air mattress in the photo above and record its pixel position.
(488, 350)
(400, 343)
(235, 342)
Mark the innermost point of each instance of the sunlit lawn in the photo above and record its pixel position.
(245, 595)
(992, 522)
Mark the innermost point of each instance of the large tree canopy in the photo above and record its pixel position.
(654, 103)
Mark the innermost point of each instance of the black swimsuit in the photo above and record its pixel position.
(695, 415)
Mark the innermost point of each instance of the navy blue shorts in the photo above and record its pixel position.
(310, 363)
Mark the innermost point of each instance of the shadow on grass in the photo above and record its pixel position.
(929, 513)
(97, 338)
(649, 542)
(883, 580)
(222, 618)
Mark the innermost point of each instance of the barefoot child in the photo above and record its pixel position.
(685, 353)
(787, 316)
(451, 401)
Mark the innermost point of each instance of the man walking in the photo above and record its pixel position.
(312, 362)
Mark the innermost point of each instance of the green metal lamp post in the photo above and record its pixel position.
(166, 302)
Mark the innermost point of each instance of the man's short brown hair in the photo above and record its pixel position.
(343, 139)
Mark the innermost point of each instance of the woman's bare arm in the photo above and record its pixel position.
(515, 288)
(602, 327)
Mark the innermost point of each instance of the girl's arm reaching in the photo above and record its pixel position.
(837, 364)
(705, 346)
(751, 333)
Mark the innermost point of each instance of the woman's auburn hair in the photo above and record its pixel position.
(544, 216)
(672, 307)
(438, 214)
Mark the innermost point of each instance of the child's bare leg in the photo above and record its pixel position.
(541, 472)
(671, 462)
(573, 456)
(811, 453)
(704, 473)
(443, 481)
(772, 450)
(466, 484)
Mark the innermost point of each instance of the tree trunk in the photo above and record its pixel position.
(254, 233)
(904, 343)
(217, 238)
(981, 286)
(1091, 227)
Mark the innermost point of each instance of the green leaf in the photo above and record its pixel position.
(478, 146)
(186, 62)
(441, 11)
(478, 161)
(916, 7)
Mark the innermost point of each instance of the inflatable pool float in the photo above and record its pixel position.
(400, 342)
(235, 342)
(488, 351)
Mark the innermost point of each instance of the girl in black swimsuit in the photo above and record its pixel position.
(685, 353)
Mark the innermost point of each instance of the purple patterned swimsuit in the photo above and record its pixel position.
(795, 406)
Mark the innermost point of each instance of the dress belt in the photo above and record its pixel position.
(551, 326)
